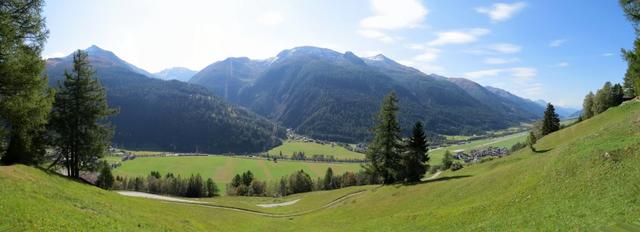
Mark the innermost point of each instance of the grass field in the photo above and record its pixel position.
(583, 178)
(289, 147)
(222, 168)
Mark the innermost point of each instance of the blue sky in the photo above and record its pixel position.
(544, 49)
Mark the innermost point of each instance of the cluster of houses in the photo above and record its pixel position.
(478, 154)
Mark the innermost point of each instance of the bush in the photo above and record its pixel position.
(456, 166)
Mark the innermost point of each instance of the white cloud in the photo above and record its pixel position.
(557, 43)
(395, 14)
(561, 65)
(506, 48)
(518, 80)
(378, 35)
(499, 12)
(458, 36)
(607, 54)
(270, 18)
(428, 55)
(496, 60)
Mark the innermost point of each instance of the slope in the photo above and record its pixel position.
(584, 178)
(171, 115)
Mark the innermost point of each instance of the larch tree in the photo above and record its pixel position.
(415, 157)
(385, 148)
(25, 99)
(80, 134)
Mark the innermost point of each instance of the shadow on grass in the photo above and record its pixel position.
(543, 151)
(445, 178)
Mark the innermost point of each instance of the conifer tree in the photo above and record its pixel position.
(415, 158)
(25, 99)
(328, 179)
(551, 120)
(385, 148)
(80, 134)
(632, 76)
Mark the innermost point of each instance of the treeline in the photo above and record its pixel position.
(298, 182)
(169, 184)
(606, 97)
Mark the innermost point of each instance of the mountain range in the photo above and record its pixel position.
(331, 95)
(242, 105)
(170, 115)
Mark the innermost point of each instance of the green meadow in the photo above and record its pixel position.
(582, 178)
(289, 147)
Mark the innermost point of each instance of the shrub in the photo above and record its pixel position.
(456, 166)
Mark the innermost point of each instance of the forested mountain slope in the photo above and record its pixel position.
(171, 115)
(331, 95)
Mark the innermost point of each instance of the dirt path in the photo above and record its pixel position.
(154, 196)
(174, 200)
(433, 176)
(278, 204)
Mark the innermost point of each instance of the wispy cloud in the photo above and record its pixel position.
(458, 36)
(561, 64)
(557, 42)
(500, 12)
(607, 54)
(497, 60)
(271, 18)
(395, 14)
(378, 35)
(428, 55)
(505, 48)
(518, 80)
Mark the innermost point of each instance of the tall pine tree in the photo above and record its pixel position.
(551, 121)
(415, 158)
(385, 148)
(79, 132)
(25, 99)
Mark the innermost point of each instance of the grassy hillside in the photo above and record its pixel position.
(223, 168)
(310, 149)
(583, 178)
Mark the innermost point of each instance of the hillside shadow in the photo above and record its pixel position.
(543, 151)
(445, 178)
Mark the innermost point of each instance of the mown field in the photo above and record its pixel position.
(289, 147)
(223, 168)
(583, 178)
